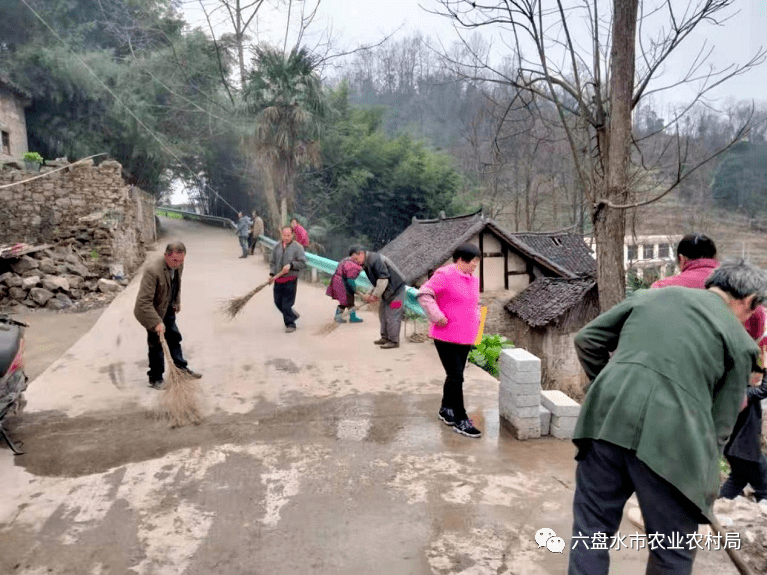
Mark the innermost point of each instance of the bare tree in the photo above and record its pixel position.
(596, 86)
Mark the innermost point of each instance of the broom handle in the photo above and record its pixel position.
(734, 554)
(348, 311)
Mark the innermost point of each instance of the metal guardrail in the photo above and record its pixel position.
(329, 266)
(184, 215)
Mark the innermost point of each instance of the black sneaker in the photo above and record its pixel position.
(381, 341)
(466, 427)
(190, 373)
(157, 384)
(446, 415)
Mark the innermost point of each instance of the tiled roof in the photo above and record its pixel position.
(426, 244)
(568, 250)
(547, 299)
(8, 84)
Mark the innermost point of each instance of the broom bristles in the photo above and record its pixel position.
(235, 305)
(180, 402)
(331, 326)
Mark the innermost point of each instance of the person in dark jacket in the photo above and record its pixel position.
(748, 464)
(288, 259)
(242, 229)
(388, 287)
(668, 370)
(157, 303)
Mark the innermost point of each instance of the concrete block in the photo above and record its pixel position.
(506, 397)
(520, 377)
(522, 388)
(523, 429)
(560, 433)
(559, 404)
(517, 360)
(524, 412)
(566, 422)
(545, 420)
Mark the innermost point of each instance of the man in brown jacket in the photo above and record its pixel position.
(157, 304)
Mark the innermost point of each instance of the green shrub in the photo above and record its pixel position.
(33, 157)
(486, 354)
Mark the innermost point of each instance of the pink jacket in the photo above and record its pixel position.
(695, 274)
(302, 237)
(453, 295)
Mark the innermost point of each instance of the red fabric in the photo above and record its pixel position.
(337, 290)
(302, 237)
(694, 274)
(755, 326)
(285, 279)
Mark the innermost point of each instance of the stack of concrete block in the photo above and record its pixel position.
(564, 413)
(519, 396)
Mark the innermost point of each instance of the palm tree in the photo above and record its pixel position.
(285, 95)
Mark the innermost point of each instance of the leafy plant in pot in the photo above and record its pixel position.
(32, 161)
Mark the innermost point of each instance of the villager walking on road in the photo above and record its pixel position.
(450, 299)
(242, 230)
(257, 229)
(668, 369)
(299, 233)
(342, 286)
(288, 259)
(388, 287)
(157, 303)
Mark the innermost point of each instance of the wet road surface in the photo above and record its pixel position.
(316, 455)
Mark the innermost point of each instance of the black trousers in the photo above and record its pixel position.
(453, 357)
(173, 337)
(284, 299)
(606, 476)
(742, 473)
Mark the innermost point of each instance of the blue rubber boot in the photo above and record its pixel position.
(353, 317)
(339, 318)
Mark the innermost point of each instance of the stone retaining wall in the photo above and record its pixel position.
(89, 205)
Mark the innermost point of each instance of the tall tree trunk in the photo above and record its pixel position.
(271, 199)
(609, 223)
(239, 35)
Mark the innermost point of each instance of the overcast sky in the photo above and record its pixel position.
(356, 22)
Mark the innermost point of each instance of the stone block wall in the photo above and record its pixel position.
(90, 206)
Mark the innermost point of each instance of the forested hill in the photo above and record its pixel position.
(392, 132)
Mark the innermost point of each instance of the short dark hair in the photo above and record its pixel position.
(696, 246)
(355, 249)
(740, 280)
(175, 247)
(466, 252)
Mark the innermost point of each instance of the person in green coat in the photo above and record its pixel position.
(668, 370)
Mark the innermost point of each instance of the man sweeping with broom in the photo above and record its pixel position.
(157, 304)
(288, 258)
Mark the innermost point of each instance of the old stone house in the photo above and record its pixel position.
(13, 124)
(544, 318)
(509, 262)
(540, 288)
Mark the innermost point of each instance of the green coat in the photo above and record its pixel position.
(673, 387)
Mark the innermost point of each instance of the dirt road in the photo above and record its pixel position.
(317, 455)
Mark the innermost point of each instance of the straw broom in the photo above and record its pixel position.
(180, 402)
(331, 326)
(235, 305)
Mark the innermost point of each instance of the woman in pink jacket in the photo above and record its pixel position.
(451, 298)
